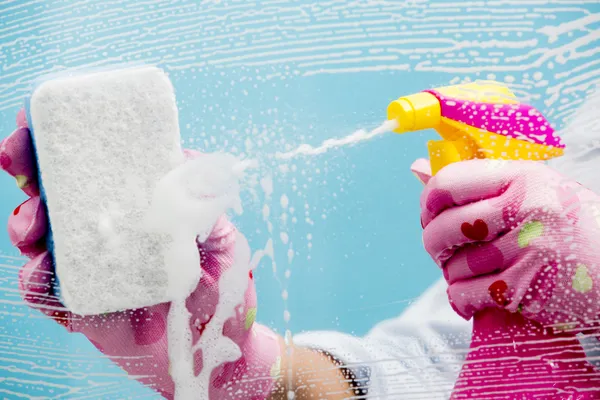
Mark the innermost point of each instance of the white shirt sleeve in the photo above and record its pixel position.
(417, 355)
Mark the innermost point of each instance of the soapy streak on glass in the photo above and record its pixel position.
(353, 138)
(188, 31)
(281, 52)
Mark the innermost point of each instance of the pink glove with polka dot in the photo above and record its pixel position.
(519, 246)
(136, 340)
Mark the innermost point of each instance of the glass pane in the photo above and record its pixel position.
(330, 204)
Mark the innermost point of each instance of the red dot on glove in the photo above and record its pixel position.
(498, 290)
(202, 326)
(62, 317)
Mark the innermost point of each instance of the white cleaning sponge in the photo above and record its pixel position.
(103, 141)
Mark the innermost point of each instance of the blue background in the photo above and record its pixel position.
(279, 73)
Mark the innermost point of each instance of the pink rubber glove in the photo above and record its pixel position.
(136, 340)
(518, 244)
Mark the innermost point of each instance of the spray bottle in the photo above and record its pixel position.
(509, 355)
(476, 120)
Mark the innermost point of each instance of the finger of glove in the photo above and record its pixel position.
(505, 289)
(28, 224)
(478, 259)
(422, 170)
(36, 279)
(466, 182)
(462, 225)
(17, 157)
(22, 119)
(36, 284)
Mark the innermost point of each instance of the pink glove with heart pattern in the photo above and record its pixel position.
(518, 245)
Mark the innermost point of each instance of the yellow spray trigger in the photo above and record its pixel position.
(441, 153)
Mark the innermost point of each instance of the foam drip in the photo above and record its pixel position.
(187, 203)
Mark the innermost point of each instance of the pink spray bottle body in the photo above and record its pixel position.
(510, 357)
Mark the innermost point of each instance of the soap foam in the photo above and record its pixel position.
(329, 144)
(187, 203)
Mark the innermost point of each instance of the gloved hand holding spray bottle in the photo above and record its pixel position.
(510, 356)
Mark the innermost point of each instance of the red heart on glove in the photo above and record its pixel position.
(476, 231)
(497, 291)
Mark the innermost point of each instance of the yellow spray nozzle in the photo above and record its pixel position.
(423, 111)
(415, 112)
